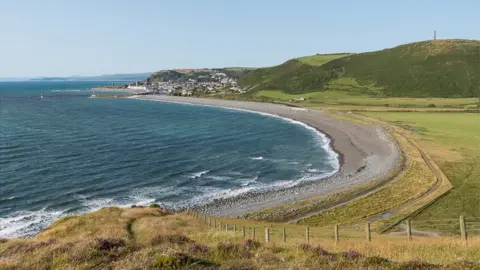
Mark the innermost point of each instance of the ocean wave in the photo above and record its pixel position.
(65, 90)
(250, 181)
(256, 158)
(26, 223)
(198, 174)
(322, 139)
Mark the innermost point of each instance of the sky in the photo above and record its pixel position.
(94, 37)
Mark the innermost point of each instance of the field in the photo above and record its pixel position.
(320, 59)
(452, 140)
(334, 98)
(150, 238)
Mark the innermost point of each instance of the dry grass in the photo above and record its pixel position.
(159, 240)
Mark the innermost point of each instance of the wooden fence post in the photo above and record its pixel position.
(367, 230)
(409, 229)
(307, 234)
(284, 236)
(463, 228)
(205, 219)
(210, 222)
(253, 233)
(243, 231)
(226, 227)
(335, 231)
(234, 228)
(267, 235)
(215, 224)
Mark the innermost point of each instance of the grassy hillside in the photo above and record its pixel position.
(440, 68)
(149, 238)
(320, 59)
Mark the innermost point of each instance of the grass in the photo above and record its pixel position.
(451, 139)
(162, 240)
(320, 59)
(337, 98)
(440, 68)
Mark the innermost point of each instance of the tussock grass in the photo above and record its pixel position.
(194, 245)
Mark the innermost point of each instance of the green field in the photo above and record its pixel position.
(453, 141)
(333, 97)
(320, 59)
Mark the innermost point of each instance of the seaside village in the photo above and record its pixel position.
(215, 82)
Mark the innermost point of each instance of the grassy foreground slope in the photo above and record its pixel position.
(148, 238)
(439, 68)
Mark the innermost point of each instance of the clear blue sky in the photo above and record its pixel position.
(92, 37)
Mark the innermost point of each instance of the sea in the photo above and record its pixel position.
(67, 154)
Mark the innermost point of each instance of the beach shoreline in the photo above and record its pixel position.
(364, 152)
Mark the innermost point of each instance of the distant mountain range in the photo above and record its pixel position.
(110, 77)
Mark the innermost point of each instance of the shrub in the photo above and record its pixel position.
(431, 105)
(178, 260)
(243, 264)
(155, 205)
(107, 244)
(196, 248)
(177, 239)
(268, 258)
(375, 261)
(320, 251)
(304, 247)
(251, 244)
(227, 250)
(3, 240)
(351, 254)
(414, 265)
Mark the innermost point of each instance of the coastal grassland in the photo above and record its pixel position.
(393, 198)
(320, 59)
(338, 98)
(453, 142)
(150, 238)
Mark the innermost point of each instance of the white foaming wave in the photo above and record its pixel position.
(69, 90)
(219, 177)
(198, 174)
(26, 223)
(250, 181)
(256, 158)
(323, 140)
(97, 204)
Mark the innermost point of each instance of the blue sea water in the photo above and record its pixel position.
(68, 154)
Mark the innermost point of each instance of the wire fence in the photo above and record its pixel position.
(283, 233)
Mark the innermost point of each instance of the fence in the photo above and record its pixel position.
(460, 227)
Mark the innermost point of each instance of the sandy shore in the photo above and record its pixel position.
(366, 154)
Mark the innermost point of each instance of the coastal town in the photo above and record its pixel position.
(184, 83)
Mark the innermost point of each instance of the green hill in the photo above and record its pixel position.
(440, 68)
